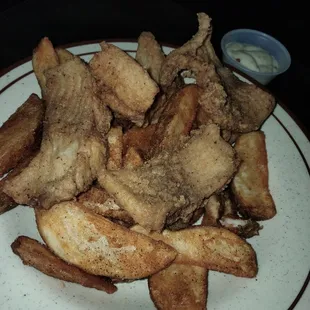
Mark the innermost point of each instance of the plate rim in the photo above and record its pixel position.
(299, 124)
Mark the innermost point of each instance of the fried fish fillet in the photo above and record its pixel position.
(37, 255)
(99, 201)
(174, 183)
(73, 149)
(179, 287)
(213, 248)
(250, 185)
(150, 55)
(19, 135)
(124, 85)
(6, 202)
(99, 246)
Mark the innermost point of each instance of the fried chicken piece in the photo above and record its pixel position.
(37, 255)
(19, 135)
(63, 55)
(6, 202)
(99, 246)
(173, 184)
(72, 150)
(124, 86)
(150, 55)
(100, 202)
(250, 185)
(179, 287)
(115, 148)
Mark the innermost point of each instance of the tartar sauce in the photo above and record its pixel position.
(252, 57)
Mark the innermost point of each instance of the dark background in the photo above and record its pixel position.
(24, 22)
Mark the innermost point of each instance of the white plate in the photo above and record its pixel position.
(283, 250)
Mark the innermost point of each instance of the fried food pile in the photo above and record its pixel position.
(134, 174)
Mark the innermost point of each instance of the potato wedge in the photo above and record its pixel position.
(21, 133)
(115, 147)
(210, 247)
(100, 246)
(179, 287)
(37, 255)
(250, 185)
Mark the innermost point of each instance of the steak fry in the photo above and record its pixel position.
(179, 287)
(99, 246)
(72, 149)
(213, 248)
(125, 87)
(6, 202)
(250, 185)
(37, 255)
(150, 55)
(21, 133)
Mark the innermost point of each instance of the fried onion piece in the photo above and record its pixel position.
(115, 148)
(19, 135)
(210, 247)
(179, 287)
(99, 201)
(131, 90)
(150, 55)
(251, 185)
(37, 255)
(99, 246)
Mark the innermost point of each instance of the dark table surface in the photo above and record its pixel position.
(24, 22)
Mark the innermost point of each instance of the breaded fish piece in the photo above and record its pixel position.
(251, 185)
(130, 88)
(44, 57)
(73, 146)
(20, 133)
(174, 183)
(6, 202)
(213, 248)
(99, 246)
(37, 255)
(179, 287)
(115, 148)
(99, 201)
(150, 55)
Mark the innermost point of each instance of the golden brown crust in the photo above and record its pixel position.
(99, 246)
(179, 287)
(19, 135)
(132, 159)
(250, 185)
(37, 255)
(210, 247)
(63, 55)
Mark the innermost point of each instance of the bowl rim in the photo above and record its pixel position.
(256, 32)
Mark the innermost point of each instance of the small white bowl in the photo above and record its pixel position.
(260, 39)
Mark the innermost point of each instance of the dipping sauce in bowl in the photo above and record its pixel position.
(252, 57)
(255, 53)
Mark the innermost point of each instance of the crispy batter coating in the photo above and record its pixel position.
(37, 255)
(115, 148)
(19, 135)
(130, 89)
(150, 55)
